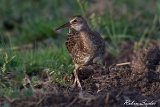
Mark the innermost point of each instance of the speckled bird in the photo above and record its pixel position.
(85, 45)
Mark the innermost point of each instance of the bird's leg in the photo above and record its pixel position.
(74, 83)
(76, 79)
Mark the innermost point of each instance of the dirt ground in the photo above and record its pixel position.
(135, 83)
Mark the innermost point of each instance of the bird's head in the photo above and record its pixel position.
(76, 22)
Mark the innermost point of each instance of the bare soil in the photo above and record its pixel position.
(133, 84)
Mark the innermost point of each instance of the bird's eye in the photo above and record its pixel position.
(75, 21)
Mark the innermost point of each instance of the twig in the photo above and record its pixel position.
(88, 98)
(107, 97)
(54, 88)
(72, 102)
(119, 94)
(9, 99)
(26, 46)
(49, 78)
(126, 63)
(40, 100)
(29, 81)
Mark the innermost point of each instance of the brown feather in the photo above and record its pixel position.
(86, 43)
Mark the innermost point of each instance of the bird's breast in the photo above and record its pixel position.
(71, 42)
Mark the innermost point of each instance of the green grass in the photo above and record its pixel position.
(32, 22)
(54, 60)
(30, 60)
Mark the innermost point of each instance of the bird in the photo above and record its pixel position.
(85, 45)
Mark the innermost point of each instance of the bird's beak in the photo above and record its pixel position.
(63, 26)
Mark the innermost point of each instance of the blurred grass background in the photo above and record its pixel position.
(29, 43)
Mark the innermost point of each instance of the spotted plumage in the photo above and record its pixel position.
(85, 45)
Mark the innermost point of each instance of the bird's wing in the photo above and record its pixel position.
(85, 43)
(92, 41)
(87, 46)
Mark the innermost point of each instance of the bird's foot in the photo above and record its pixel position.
(76, 80)
(76, 83)
(73, 86)
(79, 85)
